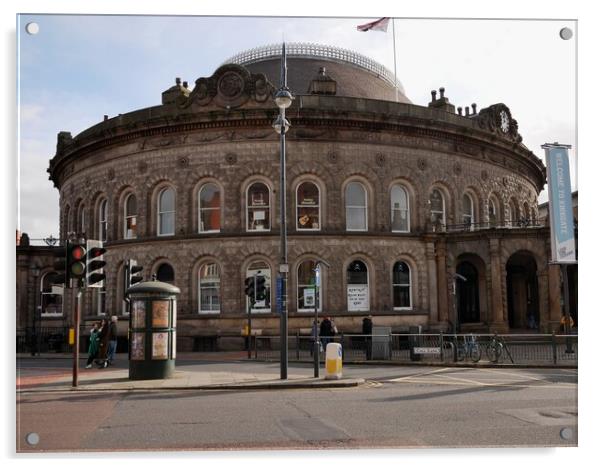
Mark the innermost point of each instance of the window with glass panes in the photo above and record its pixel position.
(130, 216)
(102, 220)
(402, 296)
(258, 207)
(209, 288)
(356, 207)
(467, 210)
(52, 302)
(308, 293)
(167, 212)
(209, 208)
(437, 207)
(308, 206)
(493, 211)
(261, 268)
(400, 219)
(358, 288)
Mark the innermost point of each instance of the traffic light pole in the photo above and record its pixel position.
(78, 294)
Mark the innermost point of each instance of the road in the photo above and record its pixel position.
(397, 407)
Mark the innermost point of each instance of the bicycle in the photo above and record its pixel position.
(470, 349)
(496, 348)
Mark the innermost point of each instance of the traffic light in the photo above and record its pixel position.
(76, 257)
(131, 274)
(260, 289)
(95, 276)
(60, 265)
(250, 288)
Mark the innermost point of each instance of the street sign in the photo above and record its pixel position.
(427, 350)
(279, 290)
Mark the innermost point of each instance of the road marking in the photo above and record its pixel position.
(481, 384)
(419, 374)
(519, 376)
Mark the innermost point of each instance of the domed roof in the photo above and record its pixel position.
(356, 75)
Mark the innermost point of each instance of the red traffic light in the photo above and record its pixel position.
(78, 252)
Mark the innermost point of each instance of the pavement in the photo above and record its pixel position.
(117, 379)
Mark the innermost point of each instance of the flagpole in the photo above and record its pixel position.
(395, 63)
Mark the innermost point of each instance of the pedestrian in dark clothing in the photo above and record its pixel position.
(103, 339)
(93, 346)
(314, 335)
(367, 332)
(112, 341)
(326, 332)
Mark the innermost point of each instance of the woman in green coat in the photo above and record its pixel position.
(93, 346)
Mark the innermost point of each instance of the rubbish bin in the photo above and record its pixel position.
(334, 361)
(152, 330)
(415, 340)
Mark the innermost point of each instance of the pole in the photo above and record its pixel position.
(76, 332)
(395, 63)
(567, 314)
(316, 343)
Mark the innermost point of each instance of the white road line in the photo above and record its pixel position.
(480, 384)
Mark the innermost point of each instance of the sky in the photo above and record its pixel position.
(78, 68)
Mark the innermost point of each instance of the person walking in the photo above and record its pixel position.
(367, 332)
(103, 343)
(326, 331)
(112, 341)
(93, 345)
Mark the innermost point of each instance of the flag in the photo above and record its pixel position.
(378, 25)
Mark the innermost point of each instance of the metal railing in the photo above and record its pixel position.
(43, 339)
(306, 49)
(474, 226)
(444, 348)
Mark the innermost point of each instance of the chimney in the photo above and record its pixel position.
(441, 103)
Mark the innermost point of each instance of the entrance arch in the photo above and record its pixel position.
(471, 290)
(522, 291)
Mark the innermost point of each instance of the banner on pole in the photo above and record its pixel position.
(560, 204)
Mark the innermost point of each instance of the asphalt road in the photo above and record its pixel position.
(398, 407)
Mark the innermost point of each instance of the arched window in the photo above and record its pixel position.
(437, 202)
(80, 221)
(493, 212)
(101, 300)
(258, 207)
(356, 207)
(165, 273)
(130, 216)
(167, 212)
(102, 220)
(400, 213)
(209, 288)
(209, 208)
(467, 210)
(66, 222)
(512, 213)
(402, 287)
(527, 214)
(263, 269)
(358, 288)
(308, 206)
(309, 286)
(534, 216)
(51, 296)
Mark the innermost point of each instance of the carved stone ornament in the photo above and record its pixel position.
(484, 175)
(380, 159)
(333, 157)
(231, 159)
(505, 181)
(498, 119)
(142, 167)
(422, 165)
(183, 162)
(111, 174)
(457, 168)
(231, 86)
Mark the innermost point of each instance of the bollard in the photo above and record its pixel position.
(334, 361)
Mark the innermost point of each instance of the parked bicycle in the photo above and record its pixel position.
(470, 349)
(496, 350)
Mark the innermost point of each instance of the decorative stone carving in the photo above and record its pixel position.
(380, 159)
(111, 174)
(457, 168)
(142, 167)
(333, 157)
(422, 165)
(484, 175)
(231, 159)
(505, 181)
(498, 119)
(183, 162)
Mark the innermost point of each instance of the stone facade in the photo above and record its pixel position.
(220, 133)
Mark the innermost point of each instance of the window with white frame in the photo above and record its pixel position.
(167, 212)
(467, 210)
(209, 288)
(400, 213)
(512, 215)
(356, 207)
(308, 286)
(258, 207)
(66, 221)
(130, 216)
(263, 269)
(493, 211)
(402, 286)
(101, 300)
(308, 206)
(358, 287)
(437, 202)
(81, 219)
(51, 296)
(103, 220)
(209, 208)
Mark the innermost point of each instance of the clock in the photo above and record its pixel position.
(504, 121)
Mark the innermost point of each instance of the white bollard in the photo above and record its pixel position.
(334, 361)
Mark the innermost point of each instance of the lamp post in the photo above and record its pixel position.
(315, 326)
(35, 272)
(283, 100)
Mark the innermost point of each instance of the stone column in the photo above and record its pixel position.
(442, 289)
(432, 282)
(497, 302)
(544, 308)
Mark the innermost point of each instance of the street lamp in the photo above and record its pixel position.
(283, 99)
(315, 326)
